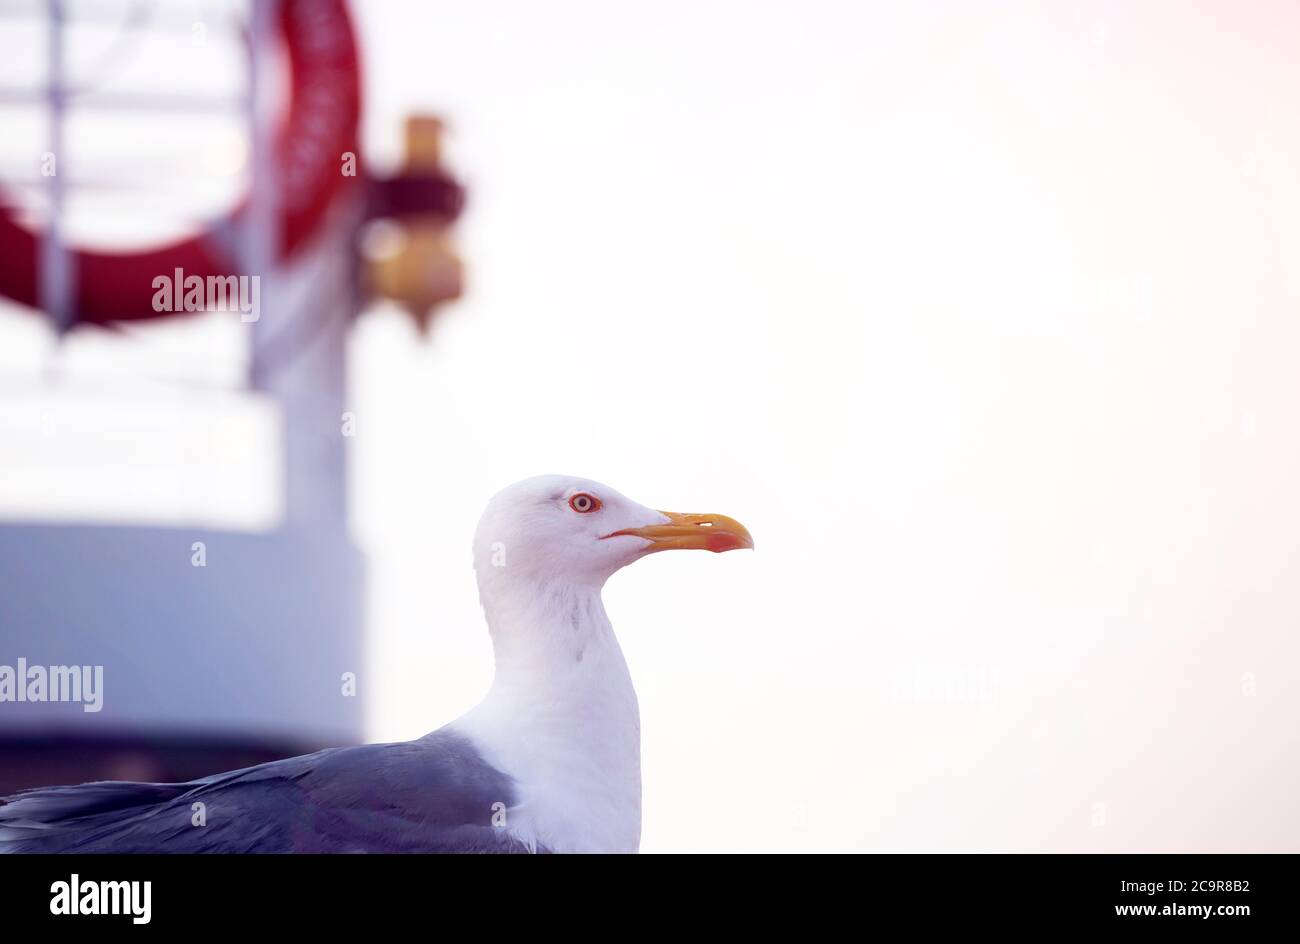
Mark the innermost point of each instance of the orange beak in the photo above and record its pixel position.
(715, 533)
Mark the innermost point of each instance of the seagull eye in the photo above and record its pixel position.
(584, 504)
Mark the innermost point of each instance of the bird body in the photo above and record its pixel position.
(412, 796)
(549, 761)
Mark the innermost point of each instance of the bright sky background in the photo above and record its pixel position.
(981, 317)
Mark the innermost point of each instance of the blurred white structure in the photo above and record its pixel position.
(217, 645)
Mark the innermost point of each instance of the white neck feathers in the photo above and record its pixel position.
(561, 718)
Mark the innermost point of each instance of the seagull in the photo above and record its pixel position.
(549, 761)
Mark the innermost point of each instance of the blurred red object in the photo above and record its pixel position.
(320, 128)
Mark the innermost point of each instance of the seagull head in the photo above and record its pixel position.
(558, 529)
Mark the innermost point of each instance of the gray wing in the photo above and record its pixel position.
(436, 794)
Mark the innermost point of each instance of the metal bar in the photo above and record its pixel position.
(128, 101)
(160, 19)
(116, 184)
(261, 229)
(299, 342)
(56, 274)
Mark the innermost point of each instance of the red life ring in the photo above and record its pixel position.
(321, 127)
